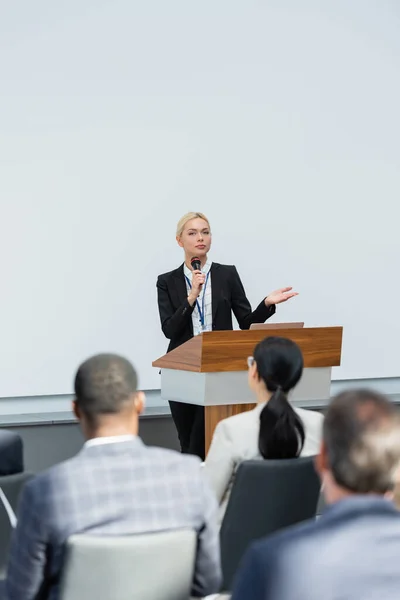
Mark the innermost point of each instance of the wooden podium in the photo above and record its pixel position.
(211, 369)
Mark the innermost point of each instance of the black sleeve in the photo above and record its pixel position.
(172, 321)
(241, 306)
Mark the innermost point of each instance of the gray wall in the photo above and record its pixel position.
(50, 443)
(50, 433)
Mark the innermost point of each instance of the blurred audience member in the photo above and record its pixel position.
(274, 429)
(352, 551)
(114, 486)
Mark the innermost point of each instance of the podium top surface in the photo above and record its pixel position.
(223, 351)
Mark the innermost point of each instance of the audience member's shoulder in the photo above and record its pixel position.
(240, 421)
(55, 472)
(172, 458)
(281, 540)
(312, 416)
(39, 486)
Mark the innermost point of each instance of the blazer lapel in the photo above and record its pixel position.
(180, 284)
(216, 288)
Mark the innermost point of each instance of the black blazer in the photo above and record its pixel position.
(227, 295)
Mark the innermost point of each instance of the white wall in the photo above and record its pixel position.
(278, 119)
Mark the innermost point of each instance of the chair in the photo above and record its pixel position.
(153, 566)
(11, 453)
(11, 486)
(267, 495)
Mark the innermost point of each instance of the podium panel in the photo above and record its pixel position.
(218, 389)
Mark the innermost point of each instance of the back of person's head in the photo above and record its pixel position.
(105, 385)
(361, 442)
(279, 366)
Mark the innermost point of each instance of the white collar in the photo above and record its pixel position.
(112, 439)
(204, 270)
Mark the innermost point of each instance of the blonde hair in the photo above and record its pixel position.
(188, 217)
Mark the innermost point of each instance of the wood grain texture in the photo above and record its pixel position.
(228, 350)
(214, 414)
(264, 326)
(223, 351)
(184, 358)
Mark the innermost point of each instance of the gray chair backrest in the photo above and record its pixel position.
(11, 486)
(11, 453)
(153, 566)
(267, 495)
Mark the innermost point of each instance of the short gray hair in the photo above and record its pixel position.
(362, 438)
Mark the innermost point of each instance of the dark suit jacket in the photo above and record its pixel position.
(351, 553)
(227, 295)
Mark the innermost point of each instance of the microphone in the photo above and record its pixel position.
(195, 263)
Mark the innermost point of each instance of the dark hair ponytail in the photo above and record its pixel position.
(280, 365)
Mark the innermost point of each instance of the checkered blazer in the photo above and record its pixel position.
(113, 489)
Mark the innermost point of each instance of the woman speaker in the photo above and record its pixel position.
(198, 296)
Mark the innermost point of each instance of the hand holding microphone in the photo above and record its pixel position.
(198, 280)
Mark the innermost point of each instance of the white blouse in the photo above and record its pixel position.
(206, 293)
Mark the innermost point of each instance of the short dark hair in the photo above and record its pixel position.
(104, 384)
(362, 438)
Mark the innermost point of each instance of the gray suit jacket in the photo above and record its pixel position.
(351, 553)
(114, 489)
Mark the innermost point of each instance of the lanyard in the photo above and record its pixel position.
(201, 310)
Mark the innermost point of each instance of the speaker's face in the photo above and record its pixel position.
(196, 238)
